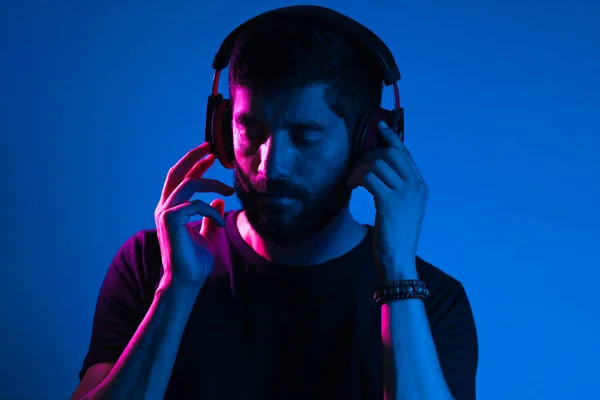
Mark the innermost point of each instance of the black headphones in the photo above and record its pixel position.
(218, 111)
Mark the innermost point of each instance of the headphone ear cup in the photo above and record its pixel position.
(222, 134)
(368, 134)
(359, 137)
(371, 139)
(228, 135)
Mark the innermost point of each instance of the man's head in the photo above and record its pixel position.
(298, 91)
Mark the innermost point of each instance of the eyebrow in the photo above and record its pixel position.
(308, 125)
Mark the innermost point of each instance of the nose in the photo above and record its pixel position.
(275, 157)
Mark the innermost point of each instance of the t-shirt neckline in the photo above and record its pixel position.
(267, 267)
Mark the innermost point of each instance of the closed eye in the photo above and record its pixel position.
(308, 126)
(247, 120)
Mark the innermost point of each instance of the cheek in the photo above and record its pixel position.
(332, 160)
(237, 142)
(324, 177)
(247, 157)
(240, 148)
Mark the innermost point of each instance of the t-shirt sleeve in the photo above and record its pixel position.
(124, 299)
(455, 337)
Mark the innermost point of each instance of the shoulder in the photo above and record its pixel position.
(447, 295)
(434, 276)
(141, 249)
(448, 308)
(139, 257)
(135, 269)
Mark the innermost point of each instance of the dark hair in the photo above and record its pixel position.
(285, 53)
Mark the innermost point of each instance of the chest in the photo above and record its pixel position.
(281, 341)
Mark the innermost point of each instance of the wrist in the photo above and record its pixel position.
(172, 289)
(401, 276)
(400, 271)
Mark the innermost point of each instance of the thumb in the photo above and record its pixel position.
(209, 225)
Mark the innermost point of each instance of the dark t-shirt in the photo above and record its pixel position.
(265, 331)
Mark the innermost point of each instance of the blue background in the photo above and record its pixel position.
(99, 99)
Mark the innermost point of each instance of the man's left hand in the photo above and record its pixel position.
(400, 193)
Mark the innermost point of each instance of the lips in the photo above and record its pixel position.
(276, 199)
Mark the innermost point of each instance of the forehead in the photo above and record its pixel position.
(307, 102)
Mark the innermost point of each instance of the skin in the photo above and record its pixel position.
(293, 146)
(308, 169)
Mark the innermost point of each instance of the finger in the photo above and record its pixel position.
(391, 156)
(392, 139)
(191, 186)
(387, 174)
(209, 226)
(382, 170)
(400, 165)
(178, 172)
(390, 136)
(180, 214)
(201, 167)
(367, 178)
(375, 186)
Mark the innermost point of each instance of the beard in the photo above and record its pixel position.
(289, 224)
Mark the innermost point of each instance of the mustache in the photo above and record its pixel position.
(253, 187)
(279, 187)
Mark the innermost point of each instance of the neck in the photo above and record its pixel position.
(340, 236)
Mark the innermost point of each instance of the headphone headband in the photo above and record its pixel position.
(218, 130)
(349, 27)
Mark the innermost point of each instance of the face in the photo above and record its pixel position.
(291, 167)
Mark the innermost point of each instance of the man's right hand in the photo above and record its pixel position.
(188, 256)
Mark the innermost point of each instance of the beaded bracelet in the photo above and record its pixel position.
(400, 290)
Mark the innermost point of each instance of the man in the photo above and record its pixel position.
(275, 301)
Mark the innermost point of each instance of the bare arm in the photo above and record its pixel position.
(423, 361)
(411, 362)
(93, 376)
(144, 369)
